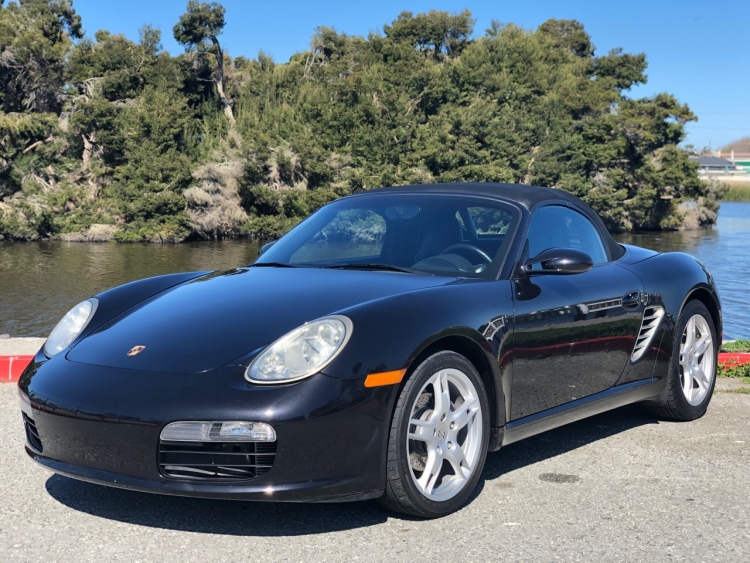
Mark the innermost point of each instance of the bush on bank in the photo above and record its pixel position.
(732, 368)
(105, 138)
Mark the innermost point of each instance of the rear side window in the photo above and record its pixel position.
(555, 226)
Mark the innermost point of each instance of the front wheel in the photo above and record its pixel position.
(438, 438)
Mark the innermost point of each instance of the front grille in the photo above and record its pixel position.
(215, 461)
(32, 434)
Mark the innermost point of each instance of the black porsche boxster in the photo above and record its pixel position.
(378, 350)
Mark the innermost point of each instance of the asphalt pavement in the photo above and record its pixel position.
(616, 487)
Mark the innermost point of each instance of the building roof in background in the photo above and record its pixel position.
(712, 161)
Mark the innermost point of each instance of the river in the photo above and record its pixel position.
(40, 281)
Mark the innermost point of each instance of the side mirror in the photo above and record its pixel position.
(559, 261)
(266, 247)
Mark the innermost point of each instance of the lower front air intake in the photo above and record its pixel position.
(215, 461)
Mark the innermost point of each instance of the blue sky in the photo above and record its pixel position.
(697, 51)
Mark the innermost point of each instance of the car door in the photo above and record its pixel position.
(573, 333)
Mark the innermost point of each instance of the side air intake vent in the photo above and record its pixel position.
(651, 319)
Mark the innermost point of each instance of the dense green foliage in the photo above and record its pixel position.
(736, 346)
(732, 368)
(109, 138)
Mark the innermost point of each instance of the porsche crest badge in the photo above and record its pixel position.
(136, 350)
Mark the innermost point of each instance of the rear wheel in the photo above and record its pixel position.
(693, 370)
(438, 438)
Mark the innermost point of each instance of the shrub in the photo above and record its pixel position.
(732, 368)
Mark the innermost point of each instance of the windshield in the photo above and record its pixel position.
(447, 235)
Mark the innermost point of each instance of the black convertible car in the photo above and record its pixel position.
(378, 350)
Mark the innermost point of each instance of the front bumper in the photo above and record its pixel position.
(103, 424)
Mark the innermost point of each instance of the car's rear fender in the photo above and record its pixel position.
(675, 279)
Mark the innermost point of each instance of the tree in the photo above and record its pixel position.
(111, 138)
(110, 73)
(199, 29)
(568, 35)
(35, 38)
(439, 34)
(34, 41)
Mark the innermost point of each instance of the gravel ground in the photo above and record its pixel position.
(616, 487)
(20, 346)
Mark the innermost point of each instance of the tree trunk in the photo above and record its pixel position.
(220, 81)
(224, 103)
(88, 148)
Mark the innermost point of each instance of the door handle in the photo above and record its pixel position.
(631, 300)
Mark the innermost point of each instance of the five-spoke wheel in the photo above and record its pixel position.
(438, 439)
(697, 360)
(444, 434)
(693, 368)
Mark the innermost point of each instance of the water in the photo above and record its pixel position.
(39, 282)
(725, 249)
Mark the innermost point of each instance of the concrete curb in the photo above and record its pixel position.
(734, 357)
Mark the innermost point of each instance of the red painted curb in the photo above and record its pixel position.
(11, 367)
(734, 357)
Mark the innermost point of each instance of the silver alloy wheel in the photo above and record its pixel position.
(444, 435)
(697, 360)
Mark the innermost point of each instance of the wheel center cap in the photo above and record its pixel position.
(441, 432)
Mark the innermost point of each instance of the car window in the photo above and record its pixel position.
(352, 233)
(490, 221)
(448, 235)
(555, 226)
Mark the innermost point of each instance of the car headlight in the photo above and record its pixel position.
(301, 353)
(69, 327)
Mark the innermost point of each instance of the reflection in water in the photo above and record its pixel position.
(39, 282)
(725, 250)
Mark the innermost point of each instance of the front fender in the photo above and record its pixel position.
(392, 333)
(115, 301)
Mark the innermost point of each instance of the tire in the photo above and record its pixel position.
(688, 398)
(434, 472)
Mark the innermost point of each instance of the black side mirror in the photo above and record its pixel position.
(266, 247)
(559, 261)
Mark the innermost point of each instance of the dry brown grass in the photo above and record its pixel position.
(95, 233)
(214, 202)
(739, 190)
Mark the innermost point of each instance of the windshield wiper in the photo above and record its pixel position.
(364, 266)
(270, 265)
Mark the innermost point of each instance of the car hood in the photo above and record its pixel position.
(215, 319)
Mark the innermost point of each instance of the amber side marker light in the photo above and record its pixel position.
(385, 378)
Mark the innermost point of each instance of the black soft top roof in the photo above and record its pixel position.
(526, 196)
